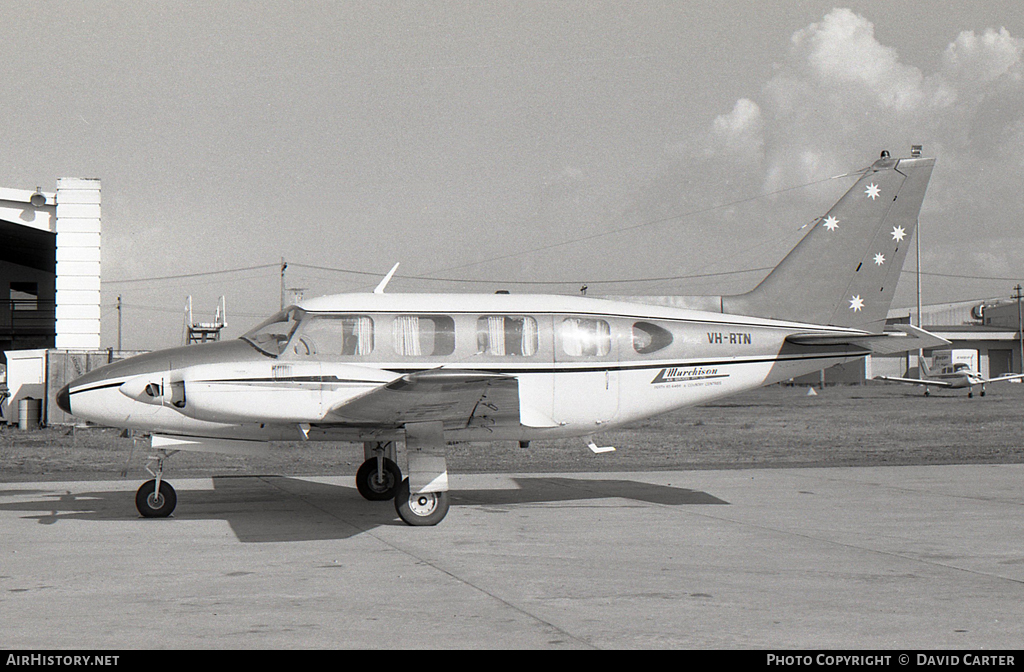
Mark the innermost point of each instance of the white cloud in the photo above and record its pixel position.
(974, 61)
(840, 55)
(740, 130)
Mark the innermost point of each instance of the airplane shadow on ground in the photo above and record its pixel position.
(263, 509)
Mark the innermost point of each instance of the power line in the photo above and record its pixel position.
(968, 277)
(535, 282)
(653, 222)
(188, 275)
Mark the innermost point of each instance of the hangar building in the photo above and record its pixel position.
(989, 327)
(50, 267)
(49, 280)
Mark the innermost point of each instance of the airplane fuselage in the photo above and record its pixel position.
(956, 380)
(577, 366)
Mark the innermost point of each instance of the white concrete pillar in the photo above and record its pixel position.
(78, 264)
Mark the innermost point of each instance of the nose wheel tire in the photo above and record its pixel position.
(378, 489)
(427, 508)
(153, 504)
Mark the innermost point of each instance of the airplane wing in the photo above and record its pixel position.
(907, 338)
(457, 398)
(915, 381)
(1009, 376)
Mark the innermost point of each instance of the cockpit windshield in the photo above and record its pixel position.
(272, 335)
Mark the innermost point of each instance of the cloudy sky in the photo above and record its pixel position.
(637, 147)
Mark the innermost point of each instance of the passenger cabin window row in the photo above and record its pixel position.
(431, 335)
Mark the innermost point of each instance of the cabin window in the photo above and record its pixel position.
(423, 335)
(505, 335)
(349, 335)
(584, 337)
(649, 337)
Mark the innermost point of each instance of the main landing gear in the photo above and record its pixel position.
(421, 499)
(379, 478)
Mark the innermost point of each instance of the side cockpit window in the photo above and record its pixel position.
(648, 337)
(332, 335)
(506, 336)
(582, 337)
(272, 336)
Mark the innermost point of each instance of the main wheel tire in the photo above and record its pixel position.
(372, 489)
(153, 504)
(428, 508)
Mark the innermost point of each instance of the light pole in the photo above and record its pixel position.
(1020, 325)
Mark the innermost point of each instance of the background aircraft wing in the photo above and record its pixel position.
(903, 338)
(457, 398)
(1009, 376)
(915, 381)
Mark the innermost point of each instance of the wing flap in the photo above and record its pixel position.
(905, 339)
(456, 398)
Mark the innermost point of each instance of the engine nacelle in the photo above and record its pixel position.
(263, 392)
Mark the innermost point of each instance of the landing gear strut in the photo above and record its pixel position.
(421, 499)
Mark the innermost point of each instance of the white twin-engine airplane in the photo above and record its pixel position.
(410, 372)
(957, 375)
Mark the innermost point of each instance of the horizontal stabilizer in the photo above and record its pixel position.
(906, 339)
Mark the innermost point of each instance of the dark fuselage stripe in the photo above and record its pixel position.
(592, 368)
(101, 386)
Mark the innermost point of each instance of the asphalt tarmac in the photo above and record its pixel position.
(839, 558)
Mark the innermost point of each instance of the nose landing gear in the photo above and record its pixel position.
(156, 498)
(156, 501)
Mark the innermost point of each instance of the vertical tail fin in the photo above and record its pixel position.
(922, 367)
(844, 271)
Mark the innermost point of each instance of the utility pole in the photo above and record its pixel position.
(917, 240)
(1020, 325)
(284, 266)
(119, 324)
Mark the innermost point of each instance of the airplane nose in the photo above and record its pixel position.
(64, 399)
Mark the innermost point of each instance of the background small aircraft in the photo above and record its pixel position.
(955, 375)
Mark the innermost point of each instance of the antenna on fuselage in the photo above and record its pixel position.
(379, 289)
